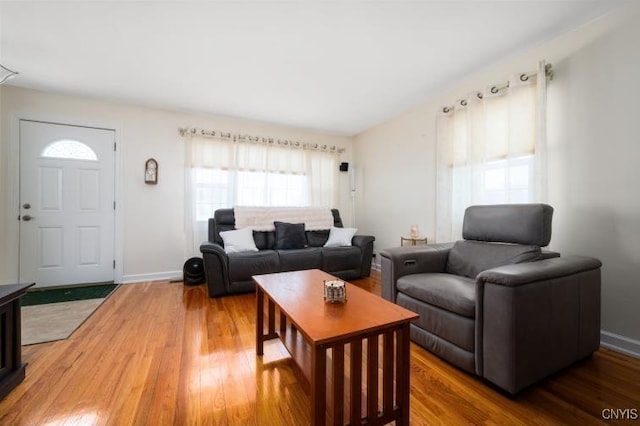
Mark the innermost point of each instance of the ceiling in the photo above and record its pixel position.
(339, 67)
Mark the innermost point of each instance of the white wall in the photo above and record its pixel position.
(152, 215)
(593, 159)
(594, 169)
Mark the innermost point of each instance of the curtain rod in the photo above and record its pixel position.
(497, 88)
(236, 137)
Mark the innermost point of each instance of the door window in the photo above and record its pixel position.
(70, 150)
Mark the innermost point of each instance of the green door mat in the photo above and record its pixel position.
(55, 295)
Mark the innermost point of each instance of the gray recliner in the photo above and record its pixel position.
(495, 304)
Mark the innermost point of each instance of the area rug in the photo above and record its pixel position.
(66, 294)
(48, 322)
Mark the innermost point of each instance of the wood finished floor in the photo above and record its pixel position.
(161, 353)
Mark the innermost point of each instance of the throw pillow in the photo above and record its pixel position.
(238, 240)
(290, 236)
(340, 237)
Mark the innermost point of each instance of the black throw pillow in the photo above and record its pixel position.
(290, 236)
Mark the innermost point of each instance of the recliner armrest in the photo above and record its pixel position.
(216, 267)
(530, 272)
(362, 240)
(365, 243)
(535, 318)
(417, 259)
(213, 248)
(400, 261)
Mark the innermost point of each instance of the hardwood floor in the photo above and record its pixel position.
(161, 353)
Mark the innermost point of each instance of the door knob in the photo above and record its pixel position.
(27, 218)
(26, 206)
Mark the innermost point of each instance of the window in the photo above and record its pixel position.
(508, 181)
(223, 173)
(272, 189)
(216, 189)
(211, 188)
(69, 150)
(491, 150)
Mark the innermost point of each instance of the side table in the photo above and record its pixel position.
(12, 370)
(413, 240)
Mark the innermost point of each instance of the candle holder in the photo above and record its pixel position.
(335, 291)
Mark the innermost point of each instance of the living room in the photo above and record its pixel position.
(591, 117)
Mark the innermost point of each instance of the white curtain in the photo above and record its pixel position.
(490, 150)
(224, 172)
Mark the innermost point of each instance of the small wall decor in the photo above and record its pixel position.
(151, 172)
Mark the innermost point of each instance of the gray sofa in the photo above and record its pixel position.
(495, 304)
(229, 273)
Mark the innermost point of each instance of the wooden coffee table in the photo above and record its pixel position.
(315, 326)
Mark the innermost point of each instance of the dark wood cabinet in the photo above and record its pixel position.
(12, 370)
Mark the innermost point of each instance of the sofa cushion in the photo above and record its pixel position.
(341, 258)
(454, 328)
(238, 240)
(317, 238)
(223, 220)
(290, 236)
(243, 265)
(265, 239)
(340, 237)
(450, 292)
(469, 258)
(296, 260)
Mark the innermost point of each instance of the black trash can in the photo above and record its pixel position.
(193, 271)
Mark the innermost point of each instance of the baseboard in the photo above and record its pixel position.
(618, 343)
(156, 276)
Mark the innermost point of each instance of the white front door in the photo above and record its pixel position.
(66, 204)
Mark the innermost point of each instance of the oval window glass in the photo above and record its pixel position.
(69, 149)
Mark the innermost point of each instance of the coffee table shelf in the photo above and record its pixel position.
(299, 350)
